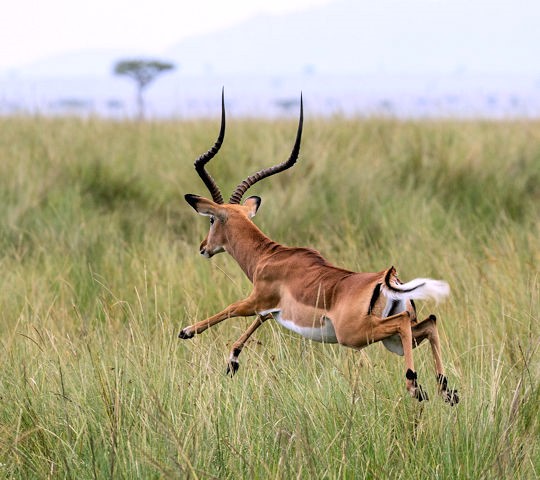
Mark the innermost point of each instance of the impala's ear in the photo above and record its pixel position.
(253, 204)
(202, 205)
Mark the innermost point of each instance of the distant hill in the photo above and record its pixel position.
(391, 36)
(348, 36)
(396, 57)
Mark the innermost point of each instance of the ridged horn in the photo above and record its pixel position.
(238, 193)
(205, 158)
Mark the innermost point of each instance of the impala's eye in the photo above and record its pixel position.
(211, 220)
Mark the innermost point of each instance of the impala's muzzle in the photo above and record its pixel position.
(203, 251)
(207, 252)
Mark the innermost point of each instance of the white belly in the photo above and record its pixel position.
(324, 333)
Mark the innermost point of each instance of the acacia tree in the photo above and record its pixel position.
(143, 72)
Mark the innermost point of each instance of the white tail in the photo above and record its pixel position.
(417, 289)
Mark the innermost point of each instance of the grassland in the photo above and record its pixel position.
(99, 270)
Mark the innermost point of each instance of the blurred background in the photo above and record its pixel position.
(170, 58)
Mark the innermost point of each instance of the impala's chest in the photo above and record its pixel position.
(320, 329)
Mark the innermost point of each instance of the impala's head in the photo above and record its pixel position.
(227, 219)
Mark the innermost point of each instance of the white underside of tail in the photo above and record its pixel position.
(418, 289)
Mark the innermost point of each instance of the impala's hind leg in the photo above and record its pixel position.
(378, 329)
(428, 329)
(402, 323)
(232, 365)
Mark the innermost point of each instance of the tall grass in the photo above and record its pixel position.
(100, 270)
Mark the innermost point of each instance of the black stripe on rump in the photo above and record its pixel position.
(374, 297)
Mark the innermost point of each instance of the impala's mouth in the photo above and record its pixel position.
(206, 253)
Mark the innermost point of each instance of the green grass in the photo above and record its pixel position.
(100, 270)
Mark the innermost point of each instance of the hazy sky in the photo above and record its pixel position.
(33, 29)
(51, 49)
(409, 35)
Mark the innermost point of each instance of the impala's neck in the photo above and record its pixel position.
(250, 248)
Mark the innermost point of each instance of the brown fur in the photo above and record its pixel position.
(306, 288)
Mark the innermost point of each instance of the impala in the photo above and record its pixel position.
(304, 292)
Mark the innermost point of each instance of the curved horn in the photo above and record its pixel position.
(205, 158)
(267, 172)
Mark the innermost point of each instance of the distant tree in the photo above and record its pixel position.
(143, 72)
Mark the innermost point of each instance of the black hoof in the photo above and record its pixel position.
(451, 397)
(185, 335)
(232, 368)
(420, 394)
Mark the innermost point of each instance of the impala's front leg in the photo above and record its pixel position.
(242, 308)
(232, 365)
